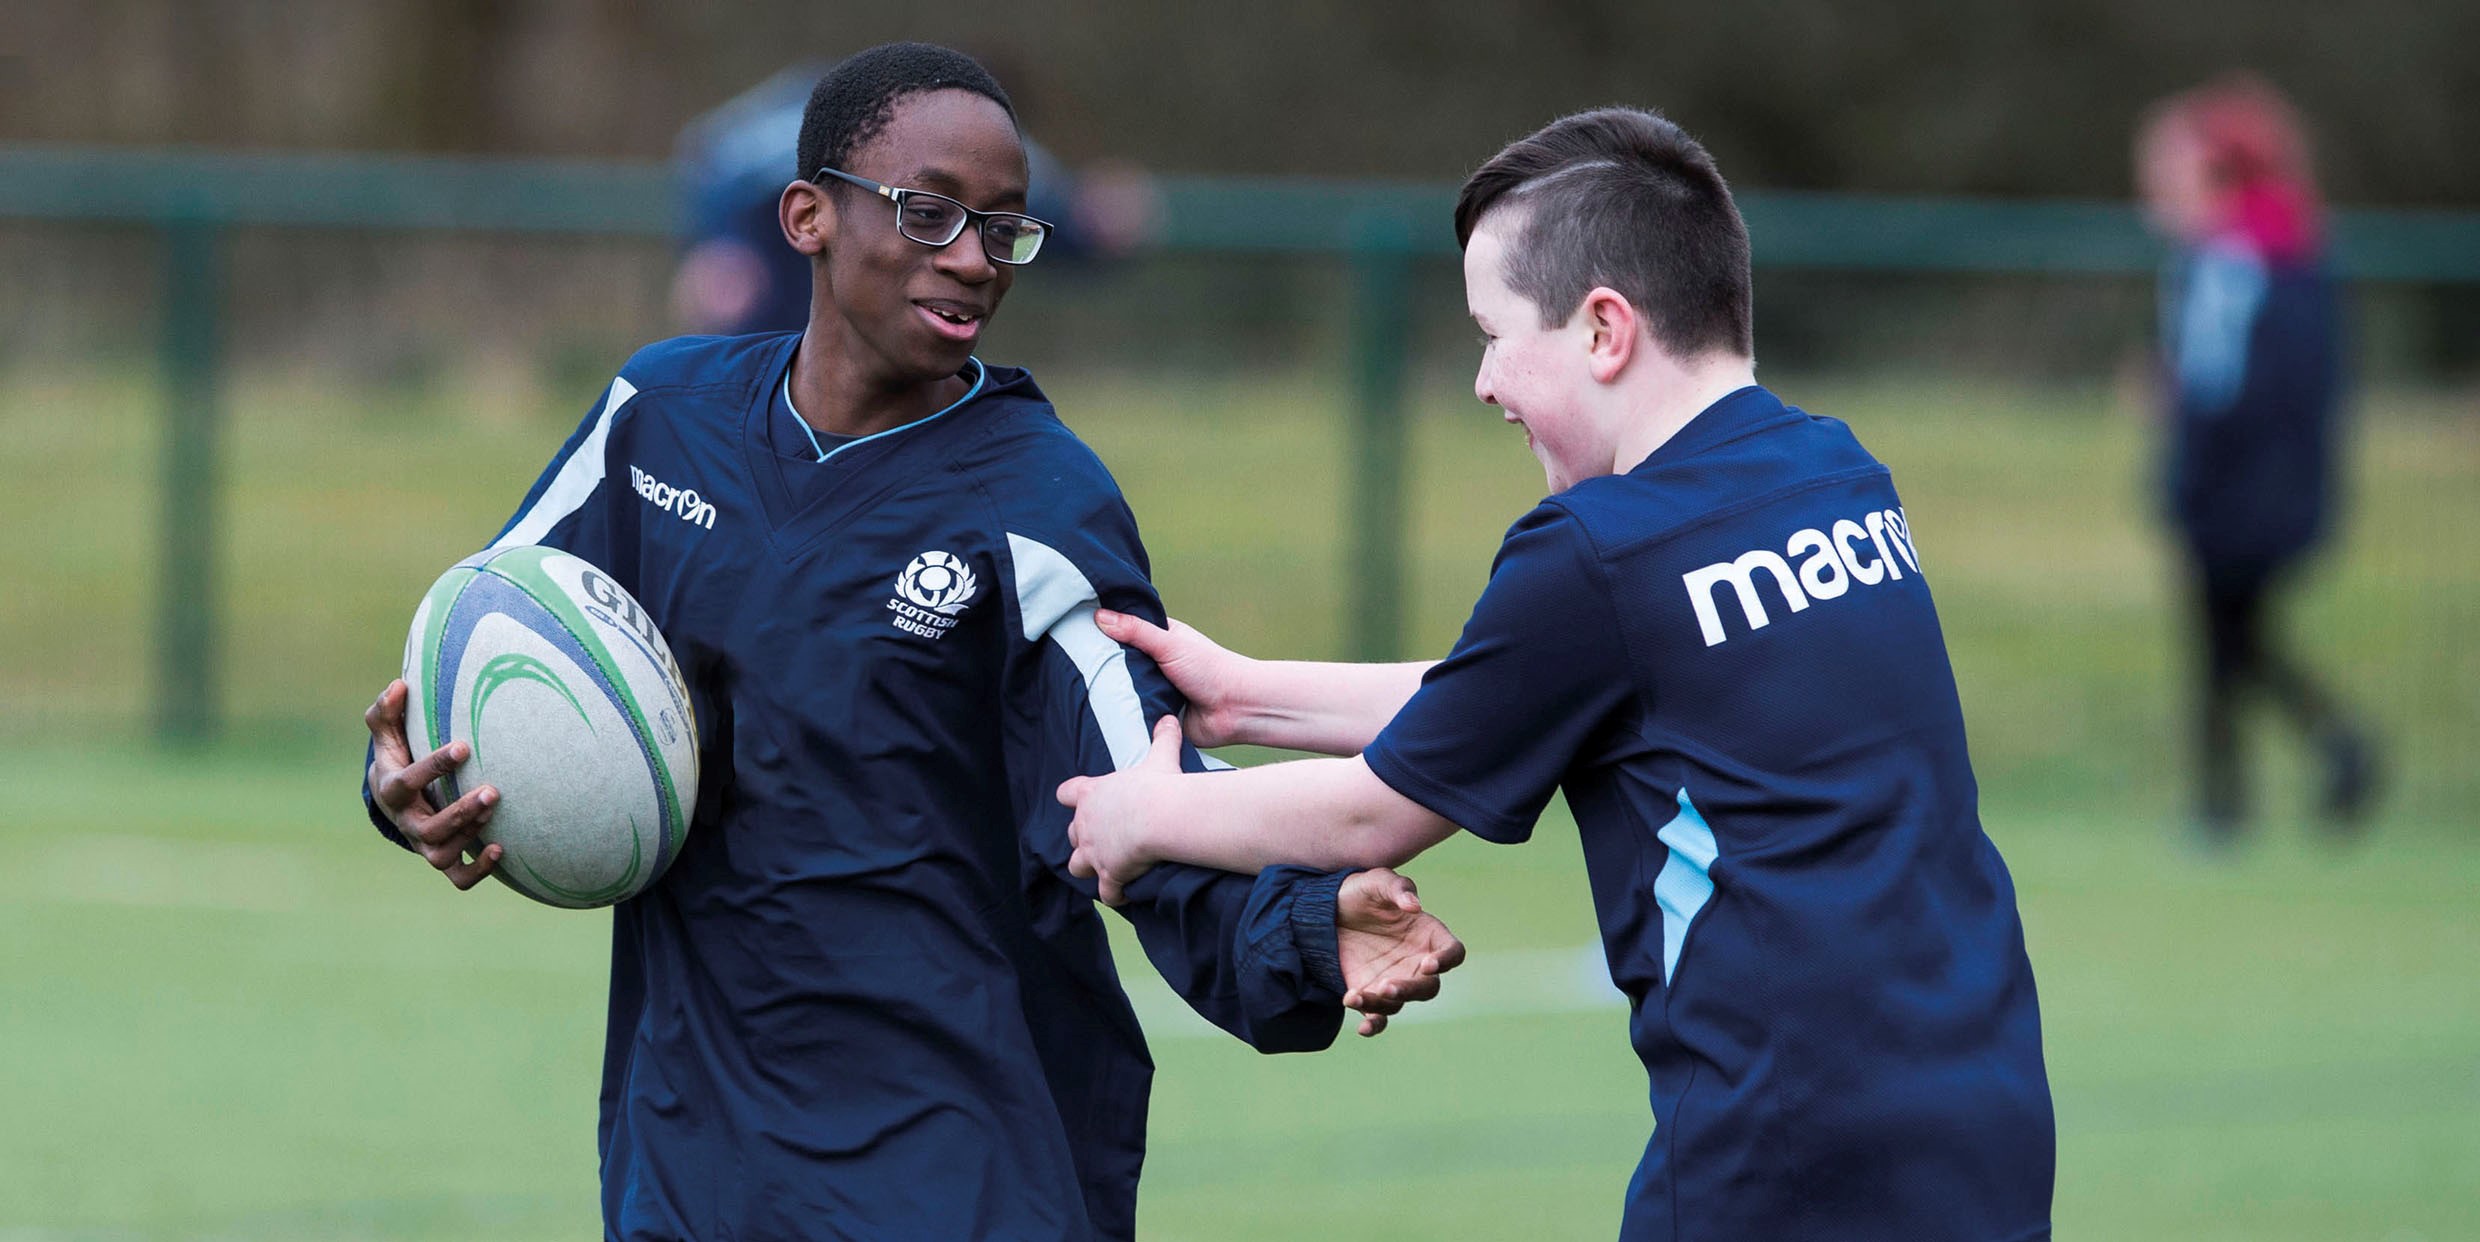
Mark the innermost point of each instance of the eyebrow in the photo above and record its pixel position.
(940, 181)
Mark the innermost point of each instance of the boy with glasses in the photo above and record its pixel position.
(1716, 636)
(867, 1000)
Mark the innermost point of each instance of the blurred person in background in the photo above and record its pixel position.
(2251, 335)
(738, 275)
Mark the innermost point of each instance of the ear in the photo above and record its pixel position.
(807, 215)
(1614, 332)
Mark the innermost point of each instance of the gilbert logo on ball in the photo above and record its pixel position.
(575, 710)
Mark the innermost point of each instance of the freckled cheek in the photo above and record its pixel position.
(1519, 375)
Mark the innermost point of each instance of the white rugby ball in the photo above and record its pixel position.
(575, 711)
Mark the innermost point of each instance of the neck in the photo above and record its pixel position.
(838, 392)
(1664, 397)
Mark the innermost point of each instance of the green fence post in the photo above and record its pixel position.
(188, 709)
(1373, 570)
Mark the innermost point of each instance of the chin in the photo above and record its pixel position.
(1550, 478)
(934, 361)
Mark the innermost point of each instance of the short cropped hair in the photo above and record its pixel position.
(855, 100)
(1622, 198)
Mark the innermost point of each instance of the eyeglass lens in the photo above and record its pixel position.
(935, 221)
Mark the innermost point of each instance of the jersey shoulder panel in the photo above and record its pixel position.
(1038, 474)
(698, 386)
(742, 365)
(1556, 519)
(1070, 537)
(1549, 559)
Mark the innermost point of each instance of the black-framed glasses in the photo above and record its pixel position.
(1009, 237)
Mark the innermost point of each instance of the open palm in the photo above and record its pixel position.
(1392, 950)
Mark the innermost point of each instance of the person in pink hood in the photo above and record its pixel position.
(2252, 343)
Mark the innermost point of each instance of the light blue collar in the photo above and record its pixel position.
(981, 374)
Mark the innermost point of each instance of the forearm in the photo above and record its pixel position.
(1323, 814)
(1329, 709)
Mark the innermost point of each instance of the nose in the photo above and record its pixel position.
(965, 259)
(1482, 388)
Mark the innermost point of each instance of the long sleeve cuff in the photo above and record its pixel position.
(370, 805)
(1313, 929)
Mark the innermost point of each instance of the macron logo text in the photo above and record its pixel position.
(688, 506)
(1869, 551)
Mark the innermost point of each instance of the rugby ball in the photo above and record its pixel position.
(575, 711)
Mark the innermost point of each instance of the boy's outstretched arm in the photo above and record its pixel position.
(1320, 813)
(1331, 709)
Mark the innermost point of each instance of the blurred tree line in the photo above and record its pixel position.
(1927, 96)
(1933, 96)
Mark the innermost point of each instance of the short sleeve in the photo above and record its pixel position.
(1540, 670)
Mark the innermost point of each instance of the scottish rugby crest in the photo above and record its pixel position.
(931, 594)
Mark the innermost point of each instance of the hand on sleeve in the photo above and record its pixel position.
(1206, 674)
(1108, 836)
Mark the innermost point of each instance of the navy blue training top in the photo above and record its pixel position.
(867, 1001)
(2254, 349)
(1728, 659)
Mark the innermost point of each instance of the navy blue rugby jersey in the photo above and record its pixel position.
(1728, 659)
(867, 1001)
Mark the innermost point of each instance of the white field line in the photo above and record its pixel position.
(1507, 983)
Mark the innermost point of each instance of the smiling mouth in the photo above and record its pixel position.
(952, 321)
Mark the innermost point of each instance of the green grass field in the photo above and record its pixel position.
(233, 1014)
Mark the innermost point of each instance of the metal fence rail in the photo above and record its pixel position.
(1202, 214)
(191, 196)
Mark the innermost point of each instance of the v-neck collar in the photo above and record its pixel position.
(806, 500)
(981, 377)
